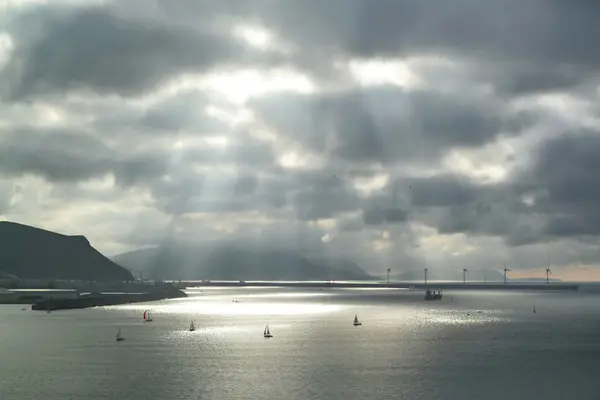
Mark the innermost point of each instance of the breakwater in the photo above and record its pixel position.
(396, 285)
(97, 300)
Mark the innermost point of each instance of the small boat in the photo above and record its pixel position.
(119, 337)
(147, 317)
(267, 332)
(433, 295)
(356, 321)
(192, 327)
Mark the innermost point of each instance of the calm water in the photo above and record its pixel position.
(405, 349)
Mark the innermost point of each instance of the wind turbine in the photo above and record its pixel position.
(465, 275)
(548, 273)
(425, 275)
(388, 276)
(505, 271)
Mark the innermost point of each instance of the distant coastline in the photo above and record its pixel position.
(560, 286)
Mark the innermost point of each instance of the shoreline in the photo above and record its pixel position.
(100, 300)
(392, 285)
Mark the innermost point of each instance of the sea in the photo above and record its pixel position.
(470, 345)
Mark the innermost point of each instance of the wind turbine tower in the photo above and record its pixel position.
(505, 271)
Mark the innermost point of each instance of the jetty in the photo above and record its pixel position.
(557, 286)
(99, 299)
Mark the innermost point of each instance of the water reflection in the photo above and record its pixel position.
(406, 347)
(239, 304)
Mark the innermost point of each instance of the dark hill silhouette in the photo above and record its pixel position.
(229, 262)
(32, 253)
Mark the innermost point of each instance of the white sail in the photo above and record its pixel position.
(267, 332)
(119, 337)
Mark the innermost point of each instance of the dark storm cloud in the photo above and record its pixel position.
(441, 191)
(60, 155)
(496, 49)
(184, 191)
(70, 156)
(312, 195)
(7, 191)
(379, 216)
(242, 151)
(386, 124)
(553, 37)
(108, 50)
(561, 184)
(566, 175)
(314, 204)
(454, 204)
(182, 112)
(92, 48)
(531, 78)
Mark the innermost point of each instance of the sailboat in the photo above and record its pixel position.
(192, 327)
(356, 321)
(534, 310)
(147, 316)
(119, 337)
(267, 332)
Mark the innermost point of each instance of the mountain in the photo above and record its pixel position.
(341, 265)
(32, 253)
(228, 262)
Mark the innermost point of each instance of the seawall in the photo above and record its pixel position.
(396, 285)
(98, 300)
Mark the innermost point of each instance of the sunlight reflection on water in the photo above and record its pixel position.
(290, 295)
(231, 308)
(406, 347)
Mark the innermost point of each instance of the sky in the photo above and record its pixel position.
(399, 134)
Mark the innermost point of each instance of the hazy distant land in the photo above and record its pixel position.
(231, 262)
(29, 253)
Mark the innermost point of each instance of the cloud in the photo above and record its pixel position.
(564, 176)
(392, 133)
(96, 49)
(387, 124)
(65, 155)
(315, 204)
(168, 117)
